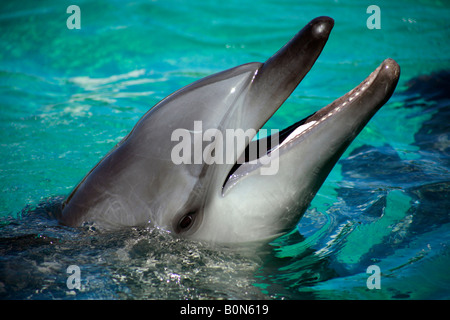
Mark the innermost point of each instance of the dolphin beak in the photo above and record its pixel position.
(280, 75)
(360, 104)
(277, 78)
(308, 150)
(335, 126)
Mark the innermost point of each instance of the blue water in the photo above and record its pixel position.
(68, 96)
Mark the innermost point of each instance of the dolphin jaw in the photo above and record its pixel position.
(389, 68)
(388, 71)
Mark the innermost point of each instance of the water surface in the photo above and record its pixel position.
(68, 96)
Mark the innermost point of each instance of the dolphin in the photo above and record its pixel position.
(138, 184)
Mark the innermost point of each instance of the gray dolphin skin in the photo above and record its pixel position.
(138, 183)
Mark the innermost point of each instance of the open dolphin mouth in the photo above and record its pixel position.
(386, 74)
(336, 125)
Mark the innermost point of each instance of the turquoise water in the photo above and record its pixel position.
(68, 96)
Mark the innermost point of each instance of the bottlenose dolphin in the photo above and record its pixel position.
(138, 183)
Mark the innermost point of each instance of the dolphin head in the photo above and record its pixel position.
(180, 168)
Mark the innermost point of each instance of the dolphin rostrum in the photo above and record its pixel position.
(139, 183)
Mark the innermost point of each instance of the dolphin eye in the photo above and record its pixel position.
(186, 221)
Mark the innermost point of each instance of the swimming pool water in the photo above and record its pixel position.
(68, 96)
